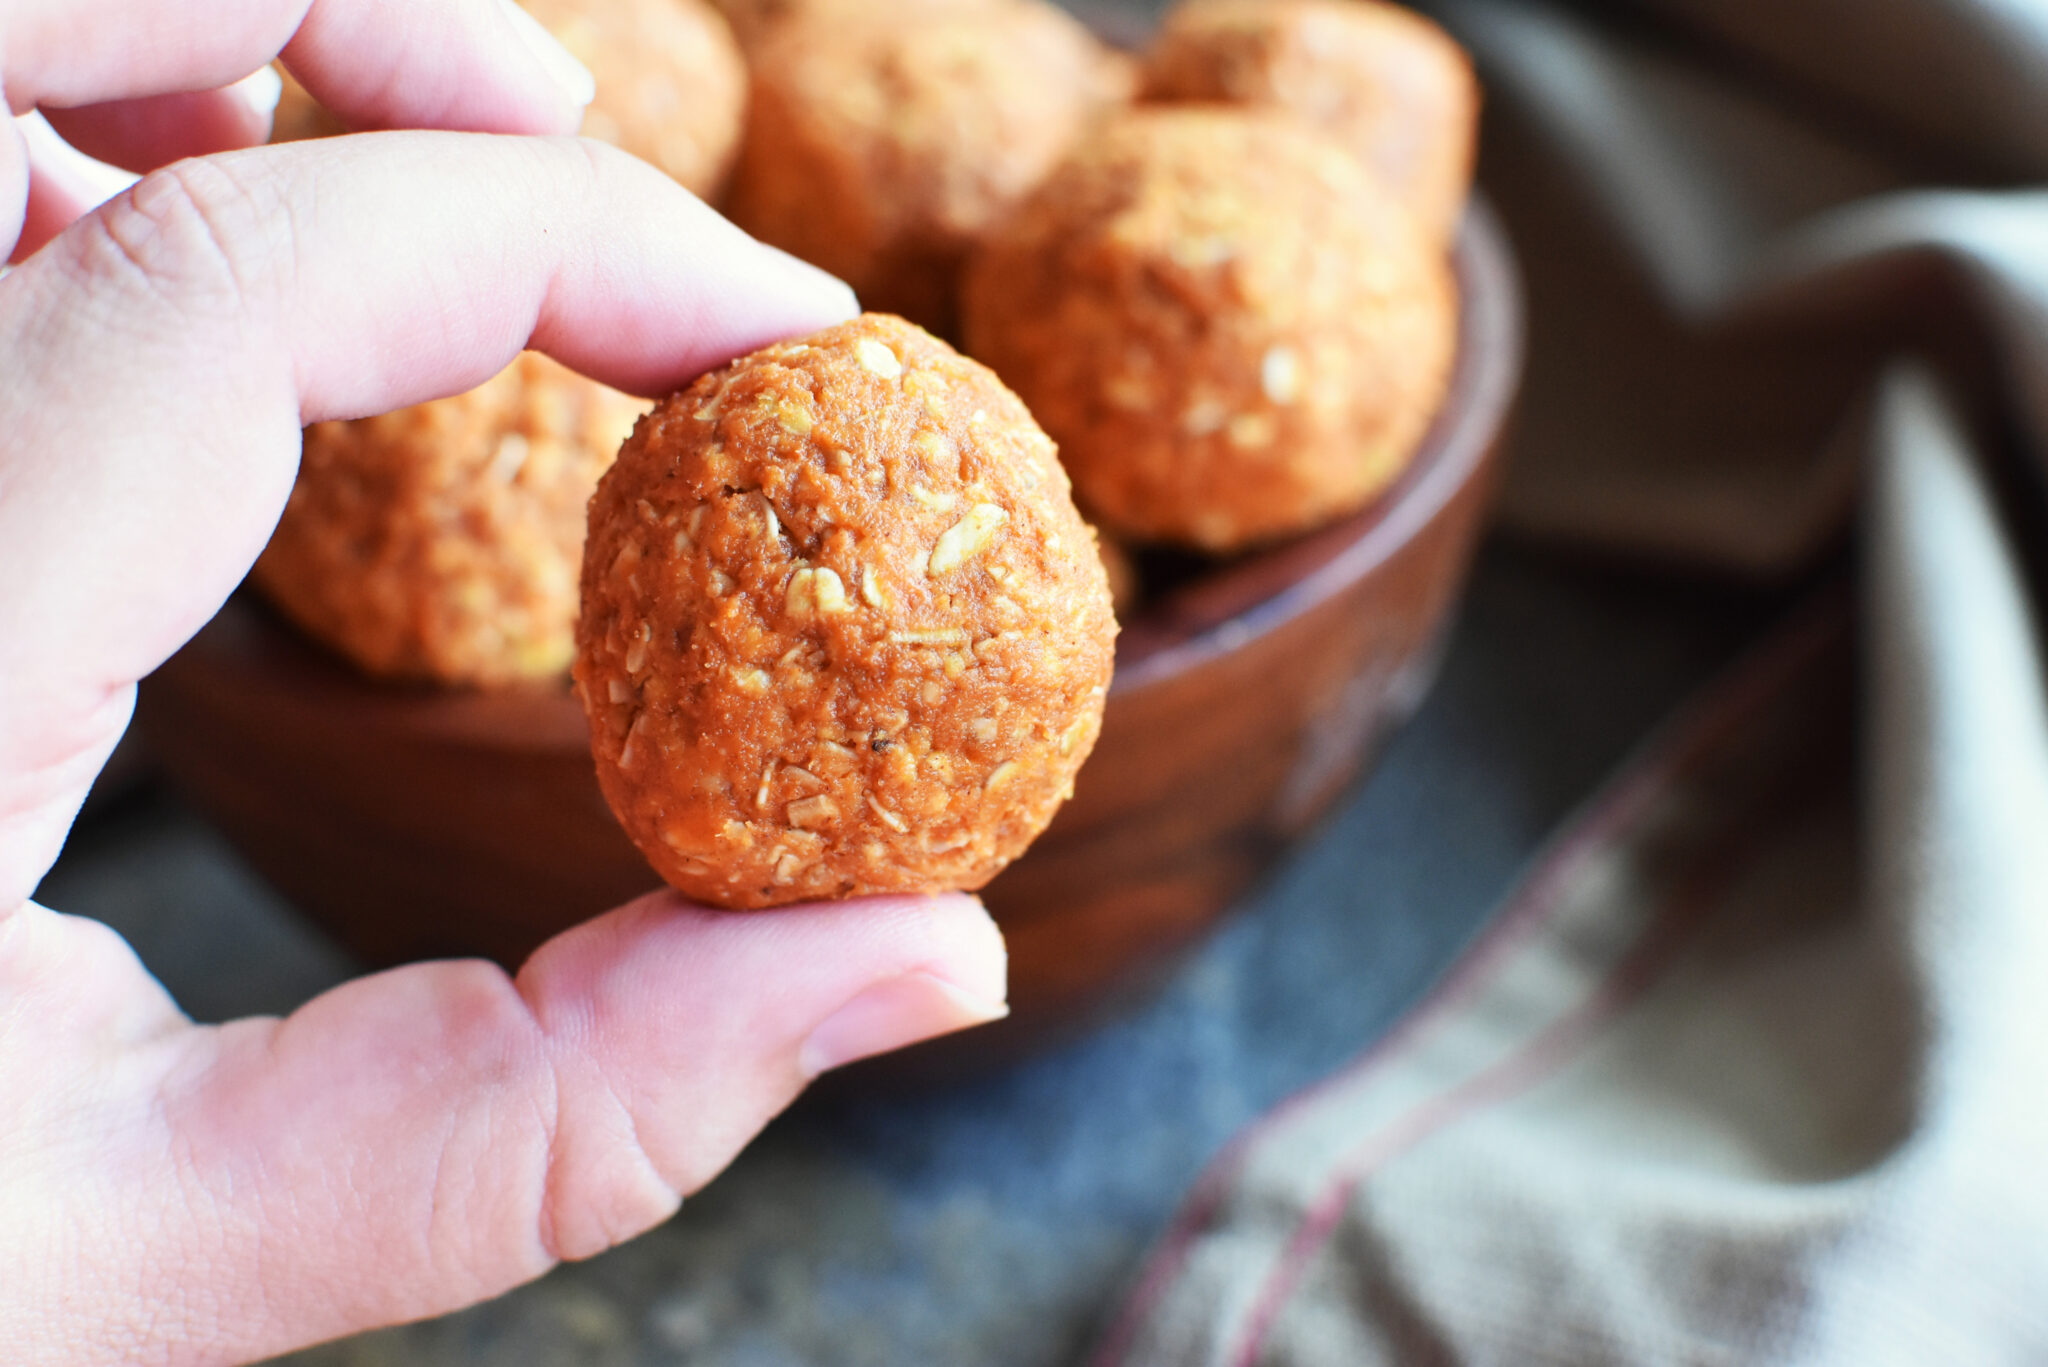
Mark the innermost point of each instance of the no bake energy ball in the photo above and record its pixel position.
(442, 542)
(1383, 80)
(671, 84)
(1231, 330)
(843, 631)
(883, 143)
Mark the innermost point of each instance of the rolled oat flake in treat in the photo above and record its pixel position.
(843, 630)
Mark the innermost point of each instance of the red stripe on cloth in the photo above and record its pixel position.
(1677, 750)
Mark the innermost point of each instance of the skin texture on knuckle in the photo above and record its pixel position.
(197, 235)
(602, 1185)
(569, 173)
(557, 1146)
(602, 162)
(583, 173)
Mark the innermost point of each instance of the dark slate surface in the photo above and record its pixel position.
(996, 1222)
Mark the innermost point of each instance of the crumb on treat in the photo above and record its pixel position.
(843, 631)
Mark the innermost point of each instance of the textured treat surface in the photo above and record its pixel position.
(442, 541)
(671, 83)
(1383, 80)
(1230, 329)
(882, 143)
(843, 631)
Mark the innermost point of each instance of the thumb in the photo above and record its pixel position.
(694, 1028)
(419, 1140)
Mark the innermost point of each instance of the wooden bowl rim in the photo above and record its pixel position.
(1181, 631)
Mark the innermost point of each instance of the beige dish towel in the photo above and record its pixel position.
(1754, 1067)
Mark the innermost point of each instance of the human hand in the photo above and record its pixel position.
(424, 1138)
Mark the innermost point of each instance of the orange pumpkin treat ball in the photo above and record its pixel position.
(671, 83)
(1383, 80)
(441, 542)
(1232, 331)
(752, 20)
(843, 631)
(882, 144)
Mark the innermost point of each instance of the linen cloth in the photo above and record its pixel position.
(1754, 1067)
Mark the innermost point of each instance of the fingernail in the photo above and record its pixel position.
(891, 1014)
(571, 75)
(70, 171)
(815, 280)
(260, 90)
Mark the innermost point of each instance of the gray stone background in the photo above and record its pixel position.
(997, 1222)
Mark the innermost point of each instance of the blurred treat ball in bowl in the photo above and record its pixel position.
(753, 20)
(843, 630)
(1382, 80)
(442, 542)
(1233, 333)
(882, 143)
(671, 84)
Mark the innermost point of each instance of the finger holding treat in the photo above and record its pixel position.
(843, 630)
(1381, 79)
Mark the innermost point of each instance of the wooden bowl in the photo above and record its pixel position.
(413, 823)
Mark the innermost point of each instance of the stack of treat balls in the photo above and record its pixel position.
(1217, 274)
(441, 544)
(843, 628)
